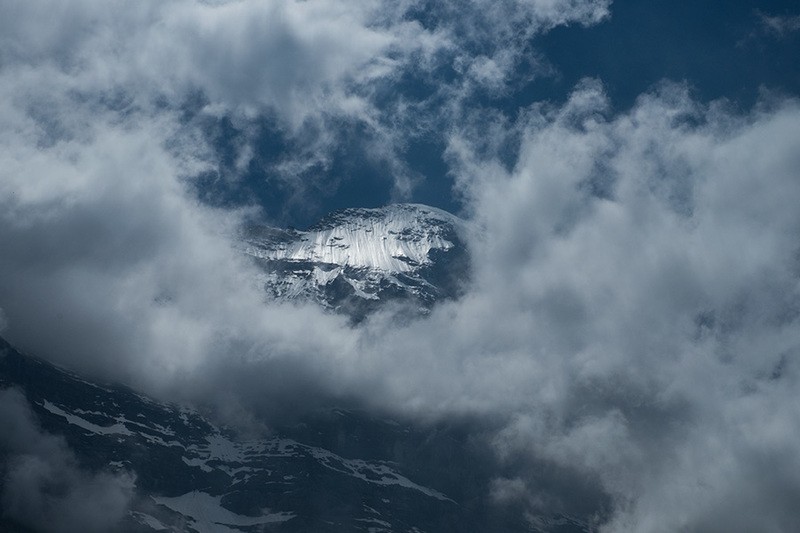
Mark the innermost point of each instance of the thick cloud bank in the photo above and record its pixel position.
(635, 304)
(638, 305)
(43, 486)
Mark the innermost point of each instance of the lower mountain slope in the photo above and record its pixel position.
(332, 471)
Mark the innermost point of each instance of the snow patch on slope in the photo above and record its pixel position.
(117, 428)
(221, 453)
(396, 238)
(209, 516)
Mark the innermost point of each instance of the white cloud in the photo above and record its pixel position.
(130, 274)
(657, 312)
(634, 314)
(635, 307)
(294, 58)
(314, 65)
(103, 242)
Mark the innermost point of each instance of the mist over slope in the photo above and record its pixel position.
(161, 467)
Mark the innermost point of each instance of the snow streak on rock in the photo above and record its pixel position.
(406, 252)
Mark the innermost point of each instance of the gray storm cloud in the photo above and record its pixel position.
(43, 486)
(633, 314)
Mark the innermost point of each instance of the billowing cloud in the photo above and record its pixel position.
(642, 272)
(104, 244)
(634, 310)
(633, 314)
(43, 486)
(99, 221)
(312, 69)
(246, 54)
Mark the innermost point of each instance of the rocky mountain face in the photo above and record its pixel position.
(194, 476)
(356, 261)
(332, 471)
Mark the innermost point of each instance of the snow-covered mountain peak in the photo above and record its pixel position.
(401, 251)
(397, 238)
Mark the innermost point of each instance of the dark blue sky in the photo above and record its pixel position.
(721, 49)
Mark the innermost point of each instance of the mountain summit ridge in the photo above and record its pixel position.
(355, 260)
